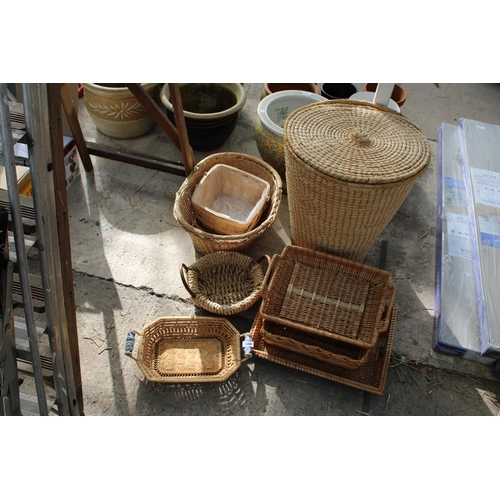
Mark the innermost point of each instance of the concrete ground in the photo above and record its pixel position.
(127, 247)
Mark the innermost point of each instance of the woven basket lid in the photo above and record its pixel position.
(357, 141)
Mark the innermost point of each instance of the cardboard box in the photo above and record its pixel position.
(23, 180)
(71, 158)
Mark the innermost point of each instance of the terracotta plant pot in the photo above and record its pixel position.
(338, 90)
(115, 110)
(398, 94)
(210, 111)
(271, 88)
(272, 112)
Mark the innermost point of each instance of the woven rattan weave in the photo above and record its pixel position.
(370, 377)
(188, 349)
(207, 242)
(327, 295)
(224, 282)
(318, 347)
(349, 167)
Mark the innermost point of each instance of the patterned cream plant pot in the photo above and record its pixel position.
(272, 112)
(115, 110)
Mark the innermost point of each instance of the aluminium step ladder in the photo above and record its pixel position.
(42, 109)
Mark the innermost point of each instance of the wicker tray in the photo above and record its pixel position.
(224, 282)
(370, 377)
(203, 239)
(186, 349)
(327, 295)
(328, 350)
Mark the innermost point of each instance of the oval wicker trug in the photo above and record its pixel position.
(224, 283)
(206, 242)
(189, 349)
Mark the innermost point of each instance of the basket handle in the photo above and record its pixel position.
(129, 343)
(183, 269)
(387, 308)
(247, 345)
(272, 263)
(267, 258)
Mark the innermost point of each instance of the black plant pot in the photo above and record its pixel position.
(338, 90)
(209, 134)
(210, 111)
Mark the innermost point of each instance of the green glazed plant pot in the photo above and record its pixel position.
(272, 113)
(271, 147)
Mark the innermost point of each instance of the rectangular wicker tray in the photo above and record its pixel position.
(327, 295)
(321, 348)
(370, 377)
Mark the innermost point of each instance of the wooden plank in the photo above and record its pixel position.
(29, 242)
(155, 112)
(27, 211)
(55, 93)
(131, 158)
(180, 121)
(74, 124)
(29, 403)
(37, 293)
(23, 348)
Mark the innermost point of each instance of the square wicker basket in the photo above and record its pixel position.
(327, 295)
(187, 349)
(229, 200)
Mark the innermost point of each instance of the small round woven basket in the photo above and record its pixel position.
(349, 167)
(207, 242)
(224, 283)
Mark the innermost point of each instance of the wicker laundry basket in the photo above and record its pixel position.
(224, 282)
(349, 167)
(206, 241)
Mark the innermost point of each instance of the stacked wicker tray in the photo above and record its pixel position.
(328, 316)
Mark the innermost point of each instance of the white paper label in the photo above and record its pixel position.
(489, 227)
(459, 244)
(486, 187)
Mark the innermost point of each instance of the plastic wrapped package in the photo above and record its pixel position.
(456, 329)
(480, 154)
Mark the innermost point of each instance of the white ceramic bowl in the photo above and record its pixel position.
(370, 97)
(274, 109)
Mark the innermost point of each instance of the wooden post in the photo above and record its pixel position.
(180, 121)
(74, 125)
(177, 134)
(61, 200)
